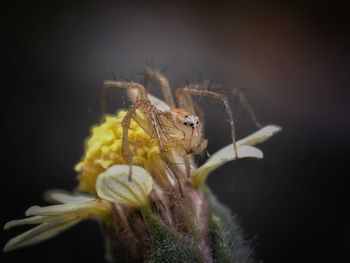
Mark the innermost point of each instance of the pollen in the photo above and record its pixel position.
(103, 149)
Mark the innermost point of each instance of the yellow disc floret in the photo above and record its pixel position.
(104, 149)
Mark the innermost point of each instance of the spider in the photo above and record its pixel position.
(176, 126)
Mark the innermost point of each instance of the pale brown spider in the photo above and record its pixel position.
(176, 127)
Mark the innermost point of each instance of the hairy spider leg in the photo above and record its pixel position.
(174, 172)
(157, 126)
(157, 76)
(126, 152)
(110, 84)
(243, 100)
(187, 91)
(236, 93)
(142, 98)
(185, 101)
(187, 164)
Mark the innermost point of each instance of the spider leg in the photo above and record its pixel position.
(110, 84)
(132, 114)
(190, 90)
(157, 126)
(243, 100)
(172, 167)
(157, 76)
(185, 100)
(187, 164)
(236, 93)
(126, 152)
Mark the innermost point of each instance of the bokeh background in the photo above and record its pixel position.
(290, 59)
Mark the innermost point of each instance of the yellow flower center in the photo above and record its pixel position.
(104, 149)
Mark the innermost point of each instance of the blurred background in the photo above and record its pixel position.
(291, 60)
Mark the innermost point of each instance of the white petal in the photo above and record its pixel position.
(244, 148)
(114, 185)
(221, 157)
(260, 136)
(158, 103)
(61, 196)
(227, 154)
(27, 221)
(61, 209)
(41, 233)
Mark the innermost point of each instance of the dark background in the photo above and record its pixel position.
(291, 60)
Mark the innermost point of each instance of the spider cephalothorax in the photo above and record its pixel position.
(184, 130)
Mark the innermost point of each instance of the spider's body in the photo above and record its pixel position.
(177, 130)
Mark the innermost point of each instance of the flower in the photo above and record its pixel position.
(112, 187)
(103, 149)
(145, 212)
(102, 175)
(54, 219)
